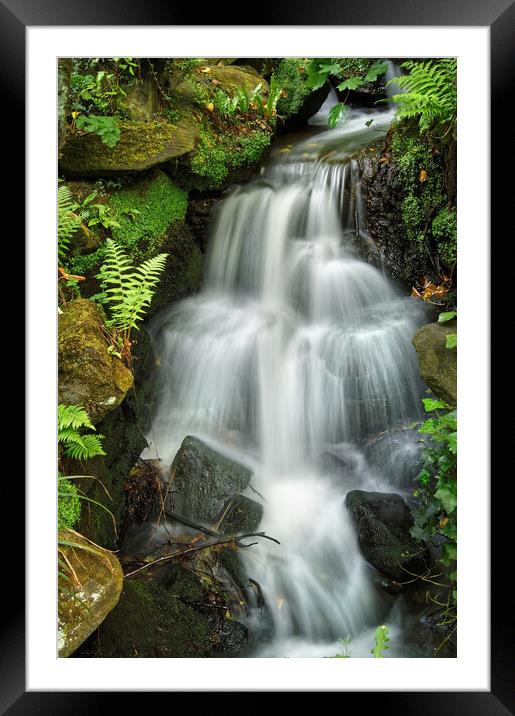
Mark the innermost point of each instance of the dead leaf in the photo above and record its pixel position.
(423, 175)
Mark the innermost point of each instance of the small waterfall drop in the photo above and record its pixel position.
(294, 355)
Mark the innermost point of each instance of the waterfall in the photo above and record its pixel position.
(293, 356)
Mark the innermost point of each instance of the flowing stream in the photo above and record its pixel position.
(296, 360)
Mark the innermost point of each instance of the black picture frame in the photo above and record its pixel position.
(499, 16)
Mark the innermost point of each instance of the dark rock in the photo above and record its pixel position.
(383, 522)
(199, 217)
(438, 363)
(242, 515)
(205, 480)
(142, 489)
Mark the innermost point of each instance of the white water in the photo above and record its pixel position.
(293, 356)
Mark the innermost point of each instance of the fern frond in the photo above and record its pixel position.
(427, 91)
(83, 447)
(67, 221)
(73, 416)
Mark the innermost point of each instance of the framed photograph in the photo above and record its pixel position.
(250, 353)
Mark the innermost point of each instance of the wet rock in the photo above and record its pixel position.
(149, 622)
(142, 145)
(199, 217)
(242, 515)
(231, 637)
(205, 480)
(88, 374)
(383, 522)
(437, 363)
(142, 489)
(92, 592)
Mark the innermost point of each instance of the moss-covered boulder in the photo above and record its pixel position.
(241, 516)
(205, 480)
(298, 102)
(142, 145)
(88, 374)
(64, 71)
(438, 364)
(124, 440)
(383, 522)
(90, 584)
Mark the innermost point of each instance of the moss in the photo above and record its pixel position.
(68, 504)
(142, 145)
(291, 77)
(217, 154)
(428, 223)
(149, 622)
(353, 66)
(145, 212)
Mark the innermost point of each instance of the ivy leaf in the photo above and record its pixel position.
(452, 340)
(431, 404)
(447, 498)
(351, 83)
(447, 316)
(336, 114)
(378, 68)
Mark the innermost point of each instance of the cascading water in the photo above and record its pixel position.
(293, 356)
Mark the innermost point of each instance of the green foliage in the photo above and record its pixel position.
(451, 341)
(444, 229)
(337, 113)
(128, 290)
(217, 154)
(381, 639)
(144, 214)
(67, 221)
(106, 127)
(68, 503)
(345, 645)
(291, 76)
(428, 92)
(446, 316)
(71, 422)
(435, 516)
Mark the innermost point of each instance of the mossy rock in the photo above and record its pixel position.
(89, 593)
(142, 145)
(241, 516)
(383, 522)
(232, 78)
(438, 364)
(205, 480)
(149, 622)
(124, 440)
(88, 374)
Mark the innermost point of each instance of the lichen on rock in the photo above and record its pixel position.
(88, 592)
(88, 374)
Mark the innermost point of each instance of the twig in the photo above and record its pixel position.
(234, 540)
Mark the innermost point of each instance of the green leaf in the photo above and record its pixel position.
(432, 404)
(336, 113)
(448, 499)
(452, 340)
(447, 316)
(381, 639)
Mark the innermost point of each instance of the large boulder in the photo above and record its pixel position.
(438, 363)
(154, 620)
(88, 592)
(383, 522)
(88, 374)
(142, 145)
(205, 480)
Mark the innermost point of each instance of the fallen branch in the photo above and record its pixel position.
(236, 541)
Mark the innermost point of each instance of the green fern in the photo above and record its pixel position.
(67, 221)
(128, 290)
(70, 419)
(428, 92)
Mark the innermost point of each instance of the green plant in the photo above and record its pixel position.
(68, 503)
(452, 338)
(345, 645)
(67, 221)
(381, 638)
(435, 516)
(128, 292)
(105, 127)
(428, 92)
(71, 421)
